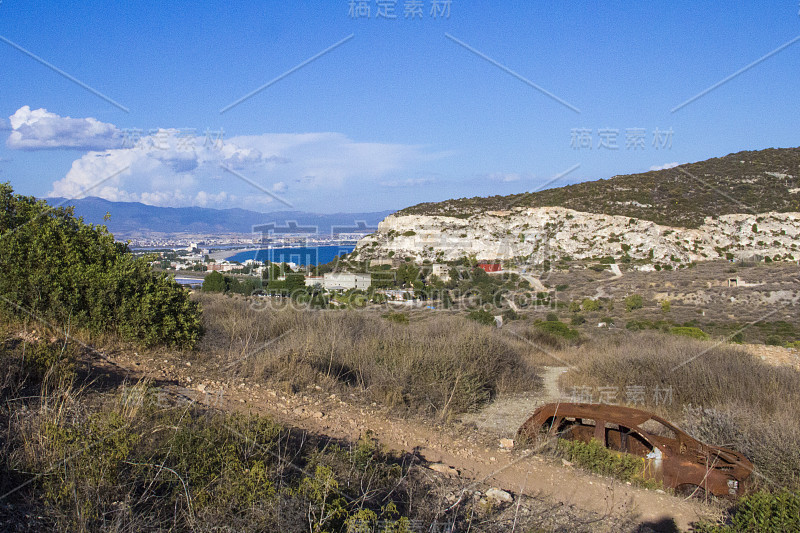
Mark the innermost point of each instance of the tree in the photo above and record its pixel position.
(214, 282)
(295, 283)
(407, 273)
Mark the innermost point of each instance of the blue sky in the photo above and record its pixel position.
(404, 110)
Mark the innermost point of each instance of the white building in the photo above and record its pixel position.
(343, 281)
(441, 271)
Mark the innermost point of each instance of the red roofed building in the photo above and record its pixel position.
(490, 267)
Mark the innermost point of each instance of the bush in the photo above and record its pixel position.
(59, 269)
(666, 306)
(577, 320)
(595, 457)
(774, 340)
(590, 305)
(42, 358)
(633, 302)
(694, 333)
(185, 469)
(762, 511)
(482, 317)
(400, 318)
(551, 317)
(558, 329)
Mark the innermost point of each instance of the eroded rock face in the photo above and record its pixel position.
(554, 232)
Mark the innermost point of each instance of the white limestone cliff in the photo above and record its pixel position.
(556, 232)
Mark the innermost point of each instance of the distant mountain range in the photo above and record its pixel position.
(744, 182)
(133, 219)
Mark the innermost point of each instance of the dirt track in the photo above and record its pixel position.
(472, 448)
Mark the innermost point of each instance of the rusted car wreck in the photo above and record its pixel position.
(670, 455)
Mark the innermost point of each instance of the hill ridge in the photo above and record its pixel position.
(756, 181)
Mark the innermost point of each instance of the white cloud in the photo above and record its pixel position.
(167, 169)
(41, 130)
(410, 182)
(504, 177)
(665, 166)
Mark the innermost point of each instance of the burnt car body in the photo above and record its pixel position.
(670, 456)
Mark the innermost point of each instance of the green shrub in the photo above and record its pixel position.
(590, 305)
(597, 458)
(774, 340)
(762, 511)
(551, 317)
(666, 306)
(577, 320)
(633, 302)
(60, 269)
(42, 357)
(400, 318)
(694, 333)
(482, 317)
(559, 329)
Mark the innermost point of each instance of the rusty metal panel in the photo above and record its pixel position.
(675, 458)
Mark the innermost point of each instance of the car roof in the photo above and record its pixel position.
(627, 416)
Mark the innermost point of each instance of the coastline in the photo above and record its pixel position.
(220, 255)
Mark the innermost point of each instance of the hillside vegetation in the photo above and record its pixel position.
(744, 182)
(58, 270)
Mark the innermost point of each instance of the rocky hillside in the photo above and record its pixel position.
(742, 205)
(745, 182)
(541, 233)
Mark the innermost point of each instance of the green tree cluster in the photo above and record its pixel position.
(216, 282)
(59, 269)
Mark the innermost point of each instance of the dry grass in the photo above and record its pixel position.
(720, 393)
(93, 458)
(439, 366)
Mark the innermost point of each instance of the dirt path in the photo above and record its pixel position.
(505, 415)
(474, 452)
(775, 355)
